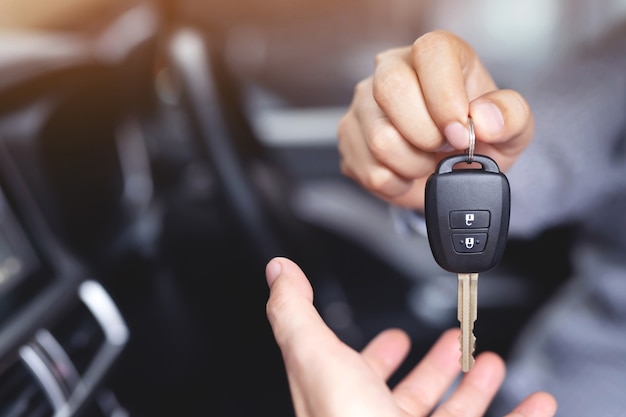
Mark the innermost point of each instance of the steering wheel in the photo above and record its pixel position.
(212, 102)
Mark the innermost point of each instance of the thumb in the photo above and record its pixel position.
(503, 118)
(293, 318)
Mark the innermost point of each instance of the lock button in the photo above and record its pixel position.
(469, 219)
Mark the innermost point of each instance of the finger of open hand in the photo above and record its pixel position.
(295, 322)
(538, 404)
(386, 351)
(423, 387)
(476, 390)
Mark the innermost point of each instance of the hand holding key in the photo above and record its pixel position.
(413, 111)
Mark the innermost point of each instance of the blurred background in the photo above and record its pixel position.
(172, 147)
(307, 56)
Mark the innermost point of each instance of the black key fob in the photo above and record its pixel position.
(467, 214)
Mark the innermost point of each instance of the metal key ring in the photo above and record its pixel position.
(472, 141)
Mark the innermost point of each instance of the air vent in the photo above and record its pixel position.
(92, 329)
(21, 395)
(61, 367)
(80, 337)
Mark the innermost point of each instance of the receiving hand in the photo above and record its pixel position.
(414, 110)
(328, 378)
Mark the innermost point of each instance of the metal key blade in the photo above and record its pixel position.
(467, 312)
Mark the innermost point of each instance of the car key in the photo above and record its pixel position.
(467, 220)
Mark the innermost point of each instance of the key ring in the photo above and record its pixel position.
(472, 141)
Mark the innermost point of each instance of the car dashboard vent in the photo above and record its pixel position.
(21, 394)
(61, 366)
(79, 336)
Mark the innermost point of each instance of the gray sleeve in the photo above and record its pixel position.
(577, 156)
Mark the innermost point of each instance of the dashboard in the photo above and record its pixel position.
(60, 331)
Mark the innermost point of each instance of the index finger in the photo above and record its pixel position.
(397, 92)
(450, 75)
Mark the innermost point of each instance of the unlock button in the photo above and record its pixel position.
(469, 242)
(469, 219)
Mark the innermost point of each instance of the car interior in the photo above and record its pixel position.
(149, 169)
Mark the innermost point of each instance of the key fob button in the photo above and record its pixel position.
(476, 219)
(469, 242)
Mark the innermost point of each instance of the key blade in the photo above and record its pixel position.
(467, 313)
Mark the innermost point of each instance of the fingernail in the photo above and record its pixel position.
(272, 271)
(488, 116)
(457, 135)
